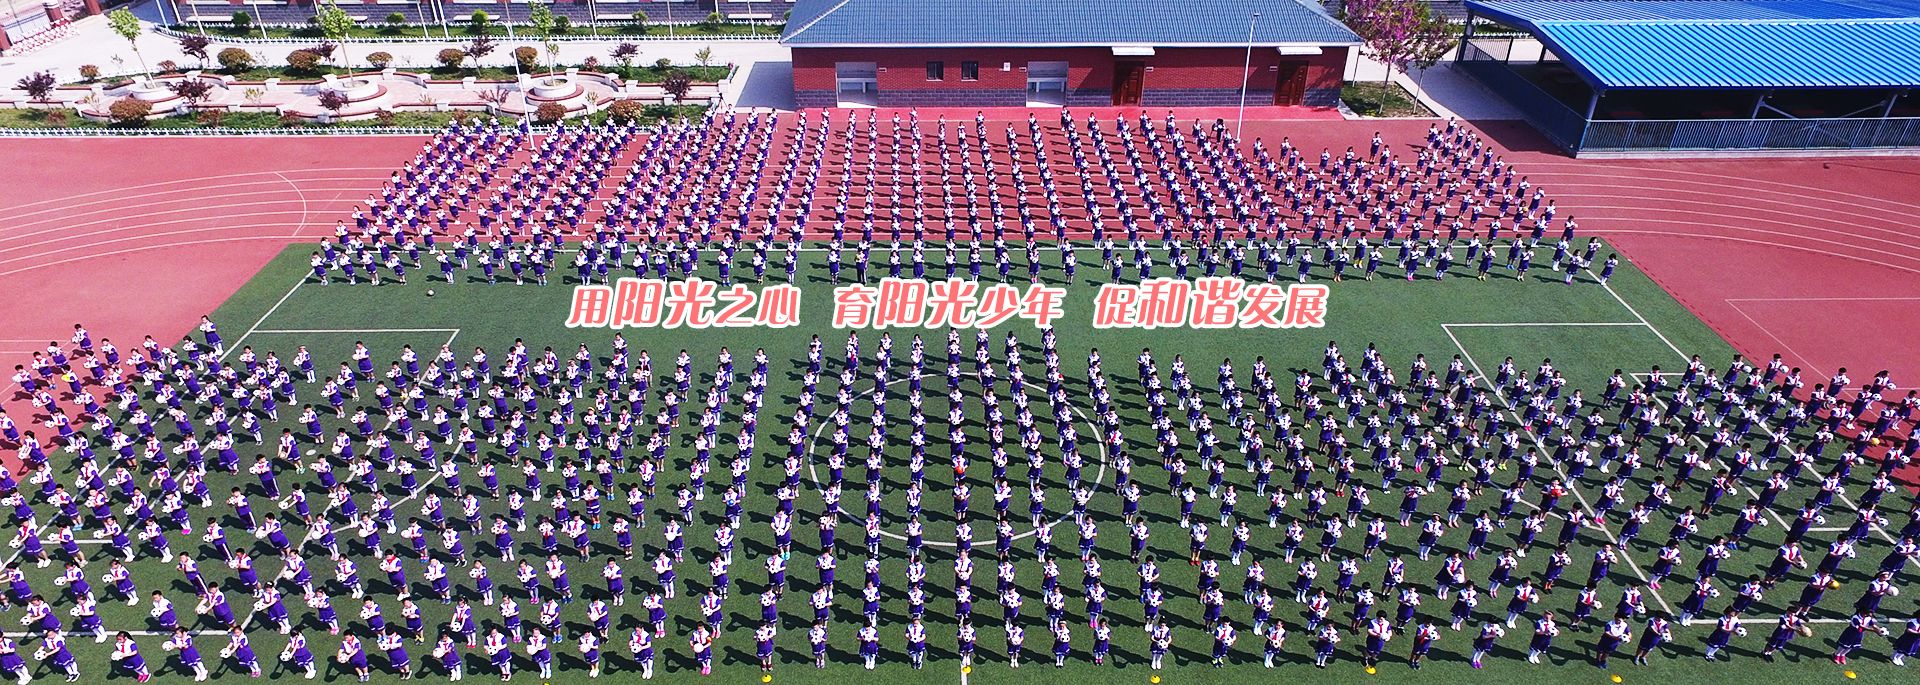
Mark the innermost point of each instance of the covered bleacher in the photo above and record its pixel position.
(1625, 76)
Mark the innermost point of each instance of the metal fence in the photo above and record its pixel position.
(1555, 120)
(1573, 132)
(1752, 134)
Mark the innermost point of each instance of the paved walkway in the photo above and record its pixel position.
(1447, 91)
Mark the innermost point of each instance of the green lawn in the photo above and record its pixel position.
(1374, 99)
(1587, 329)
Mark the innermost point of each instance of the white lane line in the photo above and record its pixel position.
(1481, 375)
(263, 317)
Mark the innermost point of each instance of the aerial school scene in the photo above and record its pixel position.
(960, 341)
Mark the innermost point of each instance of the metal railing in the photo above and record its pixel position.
(1558, 122)
(1752, 134)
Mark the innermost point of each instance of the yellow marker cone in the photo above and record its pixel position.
(1370, 670)
(766, 677)
(965, 670)
(1155, 679)
(1616, 678)
(1851, 675)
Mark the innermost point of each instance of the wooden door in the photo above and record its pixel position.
(1290, 88)
(1128, 78)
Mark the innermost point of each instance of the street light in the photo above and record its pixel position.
(1246, 74)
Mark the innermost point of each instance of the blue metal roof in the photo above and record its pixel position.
(1161, 23)
(1650, 44)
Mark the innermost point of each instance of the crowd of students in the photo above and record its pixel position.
(1124, 198)
(537, 462)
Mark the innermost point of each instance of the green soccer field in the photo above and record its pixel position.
(1588, 330)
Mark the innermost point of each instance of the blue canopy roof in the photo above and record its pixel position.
(1653, 44)
(1060, 23)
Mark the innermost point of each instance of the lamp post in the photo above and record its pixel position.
(1246, 74)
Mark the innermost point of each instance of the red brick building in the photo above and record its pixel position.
(1065, 52)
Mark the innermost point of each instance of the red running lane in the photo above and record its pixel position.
(139, 236)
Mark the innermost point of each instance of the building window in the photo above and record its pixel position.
(969, 71)
(936, 71)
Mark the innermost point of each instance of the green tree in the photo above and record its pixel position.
(337, 26)
(128, 26)
(541, 18)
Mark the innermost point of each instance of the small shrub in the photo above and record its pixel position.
(333, 100)
(396, 19)
(54, 117)
(235, 59)
(290, 119)
(129, 111)
(478, 20)
(193, 90)
(623, 111)
(89, 71)
(241, 20)
(677, 84)
(384, 118)
(640, 18)
(303, 60)
(195, 47)
(211, 117)
(451, 57)
(38, 85)
(480, 47)
(591, 63)
(562, 24)
(549, 112)
(663, 64)
(167, 65)
(379, 60)
(715, 19)
(324, 49)
(624, 54)
(527, 57)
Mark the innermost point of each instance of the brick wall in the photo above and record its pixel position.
(1175, 76)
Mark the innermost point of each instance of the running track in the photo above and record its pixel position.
(1813, 259)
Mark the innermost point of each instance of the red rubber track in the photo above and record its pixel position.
(142, 236)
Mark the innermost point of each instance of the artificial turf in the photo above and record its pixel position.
(1401, 318)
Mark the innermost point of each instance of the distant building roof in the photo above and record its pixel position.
(1060, 23)
(1747, 44)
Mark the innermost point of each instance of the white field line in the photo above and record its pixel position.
(1481, 375)
(263, 317)
(1844, 498)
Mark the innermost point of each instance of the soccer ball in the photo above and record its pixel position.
(429, 292)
